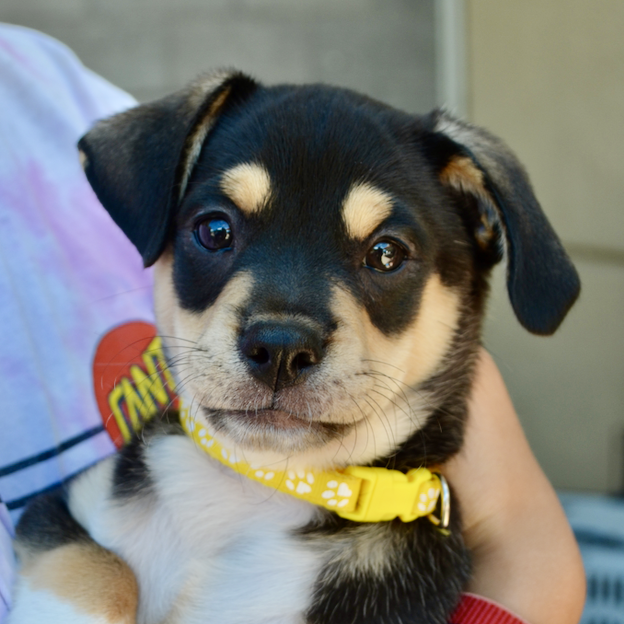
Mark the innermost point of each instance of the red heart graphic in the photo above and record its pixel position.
(130, 379)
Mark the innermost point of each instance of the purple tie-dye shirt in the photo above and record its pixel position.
(67, 274)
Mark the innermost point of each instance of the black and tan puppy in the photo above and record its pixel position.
(321, 265)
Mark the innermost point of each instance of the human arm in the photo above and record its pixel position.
(525, 555)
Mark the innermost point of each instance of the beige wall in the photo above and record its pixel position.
(548, 77)
(151, 47)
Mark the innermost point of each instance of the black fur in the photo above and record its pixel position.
(136, 173)
(316, 142)
(425, 573)
(542, 281)
(47, 524)
(131, 476)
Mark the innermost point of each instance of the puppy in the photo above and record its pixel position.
(321, 265)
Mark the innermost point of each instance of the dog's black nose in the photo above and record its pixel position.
(281, 354)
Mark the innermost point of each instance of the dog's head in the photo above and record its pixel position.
(321, 261)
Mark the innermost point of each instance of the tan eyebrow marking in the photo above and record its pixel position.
(248, 185)
(364, 208)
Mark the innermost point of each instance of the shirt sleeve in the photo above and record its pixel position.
(478, 610)
(7, 561)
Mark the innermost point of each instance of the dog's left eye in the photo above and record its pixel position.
(385, 256)
(214, 233)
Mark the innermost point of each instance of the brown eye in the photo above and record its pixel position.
(214, 234)
(385, 256)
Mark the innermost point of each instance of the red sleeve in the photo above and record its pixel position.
(478, 610)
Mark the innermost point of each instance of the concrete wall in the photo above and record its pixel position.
(384, 48)
(548, 77)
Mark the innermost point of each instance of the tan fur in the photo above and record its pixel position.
(416, 354)
(422, 348)
(462, 174)
(205, 84)
(218, 319)
(82, 158)
(364, 208)
(195, 140)
(212, 332)
(365, 549)
(248, 185)
(93, 580)
(164, 293)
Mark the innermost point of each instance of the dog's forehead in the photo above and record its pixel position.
(318, 151)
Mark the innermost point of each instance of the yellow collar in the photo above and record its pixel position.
(358, 493)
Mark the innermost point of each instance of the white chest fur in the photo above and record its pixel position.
(206, 545)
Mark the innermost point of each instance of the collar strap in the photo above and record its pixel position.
(358, 493)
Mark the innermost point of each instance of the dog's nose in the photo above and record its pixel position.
(281, 354)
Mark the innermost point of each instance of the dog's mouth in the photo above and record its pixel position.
(271, 418)
(273, 429)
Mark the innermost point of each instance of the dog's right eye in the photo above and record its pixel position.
(214, 233)
(385, 256)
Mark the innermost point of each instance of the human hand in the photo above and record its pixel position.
(525, 555)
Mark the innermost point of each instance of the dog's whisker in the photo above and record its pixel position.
(384, 364)
(179, 338)
(380, 418)
(410, 414)
(367, 426)
(388, 428)
(401, 393)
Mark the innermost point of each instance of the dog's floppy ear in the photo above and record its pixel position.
(139, 161)
(541, 280)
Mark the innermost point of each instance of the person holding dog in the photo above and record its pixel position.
(525, 556)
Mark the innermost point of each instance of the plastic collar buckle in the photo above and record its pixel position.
(388, 494)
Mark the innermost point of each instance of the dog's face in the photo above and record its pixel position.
(320, 259)
(318, 274)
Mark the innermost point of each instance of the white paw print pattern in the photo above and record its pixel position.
(266, 475)
(337, 494)
(427, 500)
(229, 456)
(204, 438)
(299, 481)
(189, 423)
(207, 441)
